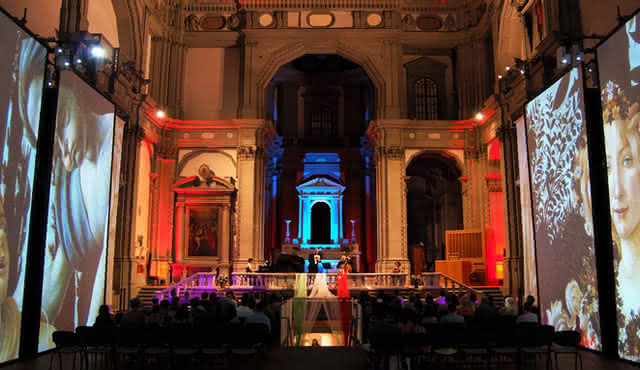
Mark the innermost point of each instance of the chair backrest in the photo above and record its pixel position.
(569, 338)
(86, 334)
(65, 339)
(259, 332)
(535, 336)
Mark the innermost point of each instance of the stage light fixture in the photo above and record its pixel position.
(507, 68)
(479, 116)
(97, 52)
(523, 71)
(499, 77)
(160, 114)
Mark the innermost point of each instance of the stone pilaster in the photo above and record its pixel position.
(73, 16)
(391, 208)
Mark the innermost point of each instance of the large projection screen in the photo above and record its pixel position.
(22, 66)
(78, 222)
(561, 199)
(619, 69)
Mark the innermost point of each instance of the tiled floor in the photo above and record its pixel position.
(323, 358)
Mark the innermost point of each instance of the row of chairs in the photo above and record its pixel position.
(158, 348)
(476, 346)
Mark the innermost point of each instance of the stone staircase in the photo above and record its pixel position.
(494, 293)
(148, 292)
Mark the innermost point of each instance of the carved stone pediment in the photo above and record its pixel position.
(196, 186)
(320, 185)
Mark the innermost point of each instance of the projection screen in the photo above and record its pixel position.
(22, 66)
(78, 221)
(561, 199)
(619, 69)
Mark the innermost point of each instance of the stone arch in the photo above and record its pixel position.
(444, 153)
(130, 33)
(292, 51)
(510, 43)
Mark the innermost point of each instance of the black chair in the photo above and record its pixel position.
(566, 342)
(184, 347)
(67, 343)
(96, 345)
(127, 347)
(536, 341)
(156, 352)
(416, 349)
(446, 344)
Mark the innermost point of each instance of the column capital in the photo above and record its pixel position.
(249, 152)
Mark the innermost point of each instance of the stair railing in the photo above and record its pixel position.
(438, 280)
(201, 280)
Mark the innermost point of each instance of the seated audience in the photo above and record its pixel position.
(452, 317)
(429, 316)
(104, 321)
(134, 318)
(485, 310)
(258, 316)
(246, 306)
(509, 308)
(466, 308)
(528, 316)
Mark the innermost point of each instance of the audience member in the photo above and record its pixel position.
(258, 316)
(485, 310)
(452, 317)
(246, 306)
(134, 318)
(509, 308)
(466, 308)
(104, 321)
(528, 316)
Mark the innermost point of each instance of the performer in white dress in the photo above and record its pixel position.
(320, 288)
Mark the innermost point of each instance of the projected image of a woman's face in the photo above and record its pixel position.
(623, 168)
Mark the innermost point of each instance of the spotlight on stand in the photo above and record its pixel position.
(562, 57)
(97, 52)
(577, 53)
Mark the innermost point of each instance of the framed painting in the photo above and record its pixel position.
(203, 232)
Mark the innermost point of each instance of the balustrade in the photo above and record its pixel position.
(287, 281)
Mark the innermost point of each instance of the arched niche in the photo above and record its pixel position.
(325, 190)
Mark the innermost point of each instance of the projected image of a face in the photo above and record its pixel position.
(78, 206)
(21, 77)
(620, 95)
(557, 142)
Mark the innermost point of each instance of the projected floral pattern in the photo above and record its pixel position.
(556, 131)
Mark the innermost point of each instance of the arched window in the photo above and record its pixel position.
(322, 121)
(426, 99)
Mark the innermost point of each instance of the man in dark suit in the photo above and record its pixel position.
(314, 261)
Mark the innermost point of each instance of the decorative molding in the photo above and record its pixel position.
(247, 153)
(392, 152)
(166, 149)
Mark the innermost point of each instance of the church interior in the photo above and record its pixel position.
(321, 152)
